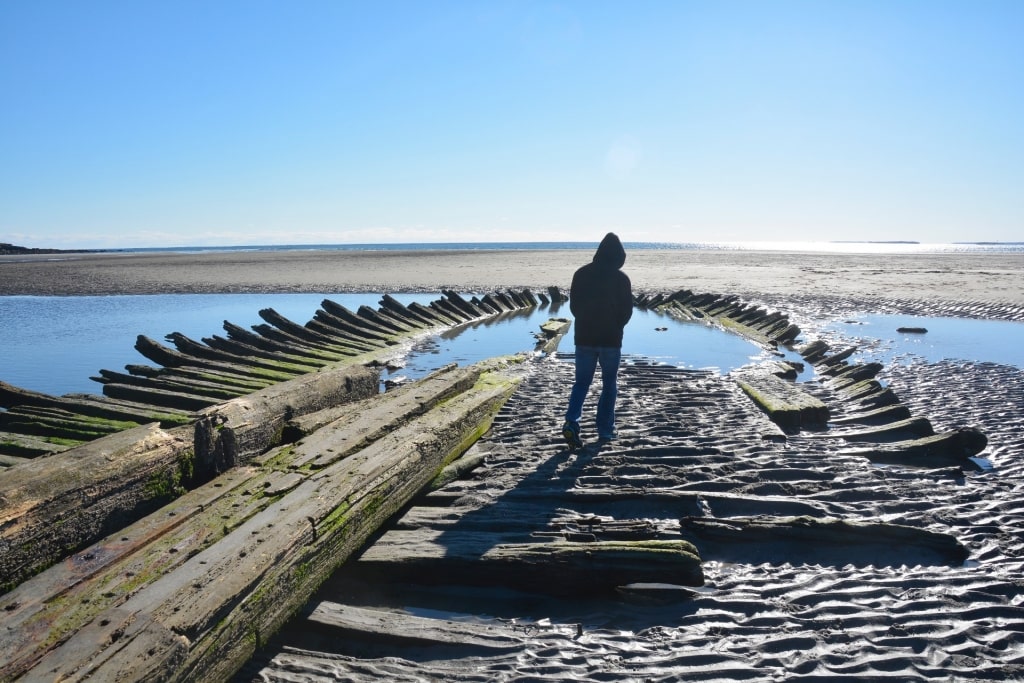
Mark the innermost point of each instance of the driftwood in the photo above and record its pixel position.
(190, 592)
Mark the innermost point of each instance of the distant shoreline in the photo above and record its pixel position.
(14, 250)
(831, 246)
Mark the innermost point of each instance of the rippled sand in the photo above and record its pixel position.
(801, 614)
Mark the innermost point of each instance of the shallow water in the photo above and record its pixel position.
(54, 344)
(878, 339)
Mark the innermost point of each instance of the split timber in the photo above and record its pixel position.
(190, 591)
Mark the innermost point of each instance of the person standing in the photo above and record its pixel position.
(601, 301)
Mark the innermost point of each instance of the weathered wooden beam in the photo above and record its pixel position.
(233, 432)
(900, 430)
(158, 353)
(373, 316)
(435, 316)
(850, 538)
(348, 319)
(94, 406)
(228, 380)
(551, 333)
(163, 398)
(339, 348)
(217, 392)
(24, 446)
(361, 622)
(353, 334)
(468, 308)
(243, 335)
(236, 347)
(354, 342)
(946, 449)
(559, 567)
(389, 303)
(195, 349)
(222, 601)
(59, 504)
(333, 433)
(784, 402)
(882, 415)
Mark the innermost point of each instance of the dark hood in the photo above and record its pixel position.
(610, 253)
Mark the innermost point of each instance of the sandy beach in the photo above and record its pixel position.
(991, 279)
(812, 616)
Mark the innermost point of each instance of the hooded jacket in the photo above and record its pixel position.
(601, 296)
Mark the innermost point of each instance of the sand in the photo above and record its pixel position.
(990, 279)
(814, 615)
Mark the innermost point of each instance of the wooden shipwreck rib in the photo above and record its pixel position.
(99, 462)
(267, 493)
(194, 375)
(867, 414)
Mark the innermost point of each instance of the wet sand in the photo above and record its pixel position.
(813, 615)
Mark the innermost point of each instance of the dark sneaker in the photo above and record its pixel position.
(571, 434)
(608, 437)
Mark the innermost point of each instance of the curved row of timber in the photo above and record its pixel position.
(194, 375)
(171, 551)
(852, 404)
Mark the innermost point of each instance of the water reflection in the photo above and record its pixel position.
(54, 344)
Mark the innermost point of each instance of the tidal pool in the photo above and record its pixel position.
(878, 339)
(54, 344)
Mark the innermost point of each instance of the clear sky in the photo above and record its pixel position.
(221, 122)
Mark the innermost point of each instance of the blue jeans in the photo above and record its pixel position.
(587, 360)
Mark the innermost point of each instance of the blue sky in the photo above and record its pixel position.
(130, 124)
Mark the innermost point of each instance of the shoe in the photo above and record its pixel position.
(608, 437)
(571, 434)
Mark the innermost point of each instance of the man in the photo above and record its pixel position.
(601, 300)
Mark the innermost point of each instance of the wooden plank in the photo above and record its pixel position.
(333, 433)
(557, 567)
(10, 460)
(882, 415)
(225, 598)
(243, 335)
(900, 430)
(361, 327)
(946, 449)
(352, 621)
(23, 446)
(196, 349)
(846, 541)
(784, 402)
(234, 432)
(50, 506)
